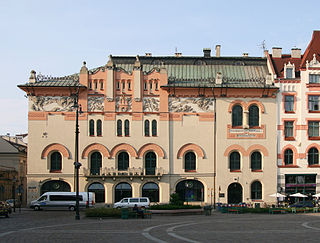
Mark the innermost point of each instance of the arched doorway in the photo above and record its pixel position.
(151, 190)
(235, 193)
(190, 191)
(122, 190)
(55, 186)
(99, 192)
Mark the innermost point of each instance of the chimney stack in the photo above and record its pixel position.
(32, 78)
(178, 54)
(148, 54)
(245, 54)
(296, 53)
(218, 47)
(276, 52)
(207, 52)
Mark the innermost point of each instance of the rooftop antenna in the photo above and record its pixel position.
(263, 45)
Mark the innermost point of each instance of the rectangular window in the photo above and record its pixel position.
(95, 85)
(129, 85)
(289, 72)
(90, 85)
(118, 85)
(313, 129)
(313, 102)
(150, 86)
(156, 84)
(288, 129)
(289, 103)
(145, 86)
(101, 85)
(123, 86)
(314, 78)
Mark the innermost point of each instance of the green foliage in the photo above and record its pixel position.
(103, 212)
(173, 207)
(175, 200)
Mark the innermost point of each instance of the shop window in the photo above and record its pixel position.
(256, 190)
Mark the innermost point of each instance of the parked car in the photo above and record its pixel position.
(4, 209)
(63, 200)
(141, 202)
(10, 201)
(302, 204)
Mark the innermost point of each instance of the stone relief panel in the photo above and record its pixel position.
(196, 105)
(95, 103)
(51, 103)
(123, 104)
(151, 104)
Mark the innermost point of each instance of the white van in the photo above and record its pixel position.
(129, 202)
(63, 199)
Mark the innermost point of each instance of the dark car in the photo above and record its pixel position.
(305, 204)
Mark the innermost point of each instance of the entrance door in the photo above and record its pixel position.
(99, 192)
(235, 193)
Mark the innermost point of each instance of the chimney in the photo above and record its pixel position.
(218, 50)
(296, 53)
(148, 54)
(219, 78)
(245, 54)
(178, 54)
(32, 78)
(207, 52)
(276, 52)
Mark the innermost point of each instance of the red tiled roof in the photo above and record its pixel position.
(313, 48)
(278, 64)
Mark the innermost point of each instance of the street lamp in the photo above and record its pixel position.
(76, 163)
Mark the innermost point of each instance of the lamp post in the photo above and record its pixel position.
(77, 164)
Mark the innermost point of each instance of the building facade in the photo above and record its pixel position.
(298, 78)
(13, 169)
(203, 127)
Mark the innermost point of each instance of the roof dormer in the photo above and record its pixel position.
(289, 71)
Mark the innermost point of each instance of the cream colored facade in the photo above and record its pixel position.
(193, 109)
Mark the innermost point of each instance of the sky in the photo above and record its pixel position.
(55, 37)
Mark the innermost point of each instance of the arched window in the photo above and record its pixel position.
(313, 156)
(123, 161)
(146, 128)
(98, 190)
(288, 157)
(190, 161)
(150, 163)
(253, 116)
(236, 116)
(256, 161)
(151, 190)
(122, 190)
(99, 128)
(256, 190)
(95, 163)
(119, 128)
(126, 127)
(154, 128)
(190, 190)
(91, 127)
(234, 161)
(55, 162)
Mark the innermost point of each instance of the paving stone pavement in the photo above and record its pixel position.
(61, 226)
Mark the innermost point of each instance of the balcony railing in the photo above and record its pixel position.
(130, 172)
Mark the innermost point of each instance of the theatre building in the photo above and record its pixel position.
(201, 126)
(298, 78)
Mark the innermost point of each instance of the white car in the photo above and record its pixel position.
(141, 202)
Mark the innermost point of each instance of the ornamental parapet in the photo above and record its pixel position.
(130, 172)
